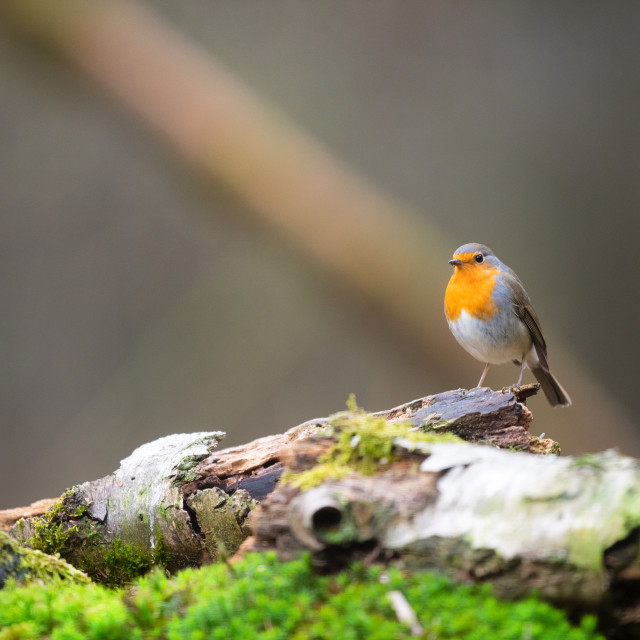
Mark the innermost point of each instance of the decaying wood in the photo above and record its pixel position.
(182, 501)
(500, 418)
(254, 467)
(476, 415)
(568, 528)
(174, 501)
(8, 517)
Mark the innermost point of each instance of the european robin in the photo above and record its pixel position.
(490, 315)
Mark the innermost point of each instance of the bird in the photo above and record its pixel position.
(491, 316)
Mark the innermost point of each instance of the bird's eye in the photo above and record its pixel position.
(479, 258)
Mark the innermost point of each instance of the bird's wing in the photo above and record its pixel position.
(524, 310)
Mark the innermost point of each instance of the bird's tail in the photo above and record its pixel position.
(556, 395)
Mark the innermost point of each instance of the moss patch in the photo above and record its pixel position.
(262, 598)
(364, 444)
(123, 563)
(68, 531)
(118, 564)
(592, 461)
(50, 533)
(161, 555)
(20, 564)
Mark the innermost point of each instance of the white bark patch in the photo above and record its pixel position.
(528, 506)
(142, 489)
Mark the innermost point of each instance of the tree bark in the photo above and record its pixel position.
(174, 502)
(568, 528)
(178, 501)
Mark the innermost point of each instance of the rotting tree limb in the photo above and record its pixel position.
(567, 528)
(160, 507)
(178, 501)
(476, 415)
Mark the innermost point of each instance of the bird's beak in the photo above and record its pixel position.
(455, 263)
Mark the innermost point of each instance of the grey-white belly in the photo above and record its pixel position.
(501, 339)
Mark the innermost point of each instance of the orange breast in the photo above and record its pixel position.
(470, 290)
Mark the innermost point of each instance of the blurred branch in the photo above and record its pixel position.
(289, 180)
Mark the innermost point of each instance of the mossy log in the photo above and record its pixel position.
(179, 501)
(563, 527)
(159, 508)
(399, 486)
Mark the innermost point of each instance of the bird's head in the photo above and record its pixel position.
(473, 256)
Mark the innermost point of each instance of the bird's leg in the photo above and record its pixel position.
(484, 373)
(521, 371)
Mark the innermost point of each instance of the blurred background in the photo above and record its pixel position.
(231, 215)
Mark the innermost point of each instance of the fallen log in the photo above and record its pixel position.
(567, 528)
(400, 486)
(179, 501)
(172, 503)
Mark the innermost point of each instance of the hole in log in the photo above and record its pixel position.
(326, 518)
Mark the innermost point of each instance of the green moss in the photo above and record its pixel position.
(365, 444)
(118, 564)
(42, 567)
(161, 556)
(264, 599)
(68, 530)
(124, 562)
(82, 544)
(21, 564)
(50, 538)
(50, 534)
(87, 611)
(589, 460)
(555, 449)
(326, 469)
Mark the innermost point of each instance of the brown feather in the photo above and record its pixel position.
(556, 395)
(524, 310)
